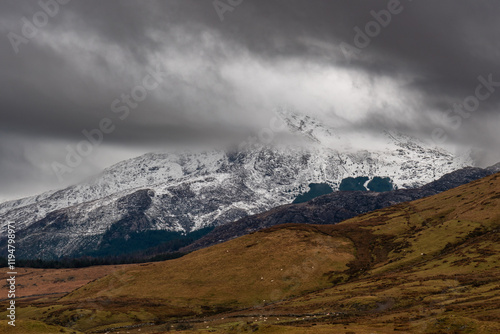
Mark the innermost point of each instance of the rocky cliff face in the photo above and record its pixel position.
(187, 191)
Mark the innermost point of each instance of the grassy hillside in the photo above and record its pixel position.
(429, 266)
(249, 271)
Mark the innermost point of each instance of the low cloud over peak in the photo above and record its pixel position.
(373, 65)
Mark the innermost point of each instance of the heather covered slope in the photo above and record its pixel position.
(428, 266)
(252, 270)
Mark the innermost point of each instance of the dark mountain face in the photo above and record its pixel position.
(336, 207)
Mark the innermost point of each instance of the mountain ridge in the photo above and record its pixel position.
(337, 206)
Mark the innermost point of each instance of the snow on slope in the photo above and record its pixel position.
(188, 191)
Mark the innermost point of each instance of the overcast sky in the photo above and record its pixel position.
(194, 72)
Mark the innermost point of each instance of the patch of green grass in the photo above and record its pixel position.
(33, 327)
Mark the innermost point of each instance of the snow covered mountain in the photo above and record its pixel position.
(186, 191)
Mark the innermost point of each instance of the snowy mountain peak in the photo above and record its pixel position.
(187, 191)
(307, 126)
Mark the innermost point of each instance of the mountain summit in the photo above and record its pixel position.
(187, 191)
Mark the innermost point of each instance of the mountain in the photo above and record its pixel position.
(181, 192)
(426, 266)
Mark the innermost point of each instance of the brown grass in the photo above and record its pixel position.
(37, 282)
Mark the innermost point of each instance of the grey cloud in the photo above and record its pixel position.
(91, 52)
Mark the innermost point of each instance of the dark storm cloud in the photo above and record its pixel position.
(226, 76)
(446, 45)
